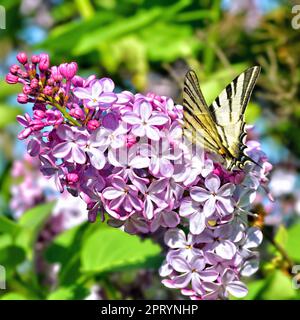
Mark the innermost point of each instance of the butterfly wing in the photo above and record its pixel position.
(228, 114)
(198, 122)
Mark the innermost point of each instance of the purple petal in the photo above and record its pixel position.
(188, 207)
(171, 219)
(212, 183)
(148, 209)
(165, 269)
(97, 158)
(96, 89)
(62, 150)
(110, 121)
(198, 263)
(132, 118)
(254, 238)
(82, 93)
(166, 168)
(197, 223)
(158, 120)
(199, 194)
(138, 130)
(209, 206)
(107, 84)
(78, 155)
(145, 110)
(237, 288)
(180, 265)
(175, 238)
(107, 98)
(209, 275)
(182, 281)
(226, 190)
(226, 249)
(152, 133)
(111, 193)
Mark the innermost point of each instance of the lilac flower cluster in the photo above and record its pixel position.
(126, 157)
(31, 188)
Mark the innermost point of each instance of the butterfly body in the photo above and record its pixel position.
(220, 127)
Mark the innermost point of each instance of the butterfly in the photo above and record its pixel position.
(220, 127)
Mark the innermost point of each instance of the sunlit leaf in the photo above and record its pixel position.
(293, 242)
(113, 249)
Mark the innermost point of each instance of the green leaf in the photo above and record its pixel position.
(116, 29)
(11, 256)
(69, 293)
(7, 115)
(279, 288)
(65, 245)
(31, 223)
(13, 296)
(7, 90)
(293, 242)
(281, 236)
(112, 249)
(254, 288)
(253, 112)
(8, 226)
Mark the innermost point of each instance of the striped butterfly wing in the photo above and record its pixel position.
(198, 122)
(228, 114)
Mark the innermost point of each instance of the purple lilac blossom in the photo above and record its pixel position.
(124, 155)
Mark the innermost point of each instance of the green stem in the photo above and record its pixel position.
(65, 113)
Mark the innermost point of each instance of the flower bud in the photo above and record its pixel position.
(39, 114)
(68, 70)
(93, 124)
(72, 178)
(35, 59)
(55, 74)
(27, 89)
(22, 98)
(48, 91)
(22, 57)
(77, 113)
(77, 81)
(34, 83)
(14, 69)
(11, 79)
(44, 62)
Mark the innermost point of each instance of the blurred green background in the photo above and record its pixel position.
(47, 248)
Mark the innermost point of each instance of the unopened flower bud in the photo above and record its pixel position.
(14, 69)
(27, 89)
(77, 81)
(22, 98)
(72, 178)
(93, 124)
(44, 62)
(22, 57)
(11, 79)
(55, 74)
(77, 113)
(48, 91)
(35, 59)
(68, 70)
(39, 114)
(34, 83)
